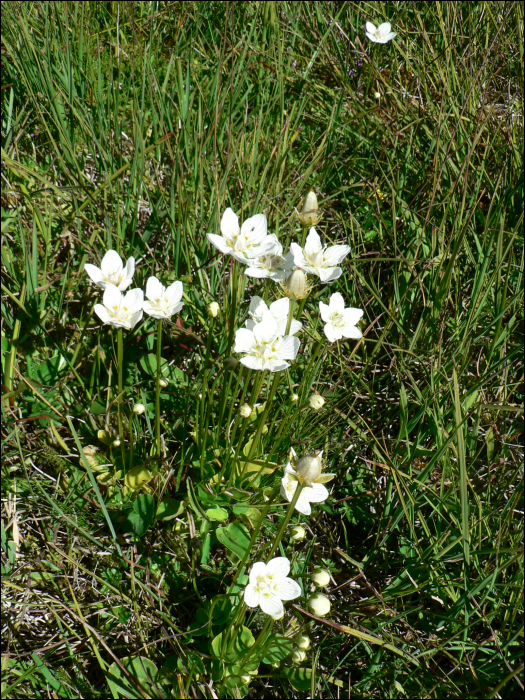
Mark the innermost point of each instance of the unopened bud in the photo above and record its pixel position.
(319, 605)
(264, 429)
(138, 409)
(297, 533)
(303, 642)
(230, 363)
(296, 286)
(294, 398)
(164, 382)
(321, 578)
(309, 468)
(316, 402)
(377, 95)
(310, 214)
(245, 410)
(298, 656)
(213, 309)
(116, 443)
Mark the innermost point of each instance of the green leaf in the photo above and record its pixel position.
(168, 509)
(235, 537)
(300, 678)
(251, 514)
(141, 668)
(223, 649)
(141, 517)
(279, 648)
(217, 513)
(149, 364)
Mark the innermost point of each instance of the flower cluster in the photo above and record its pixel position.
(125, 311)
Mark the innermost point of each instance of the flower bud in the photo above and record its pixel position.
(321, 577)
(246, 678)
(377, 95)
(245, 410)
(164, 382)
(316, 402)
(264, 429)
(319, 605)
(303, 642)
(310, 214)
(294, 398)
(230, 363)
(297, 533)
(308, 469)
(138, 409)
(116, 442)
(213, 309)
(298, 656)
(296, 286)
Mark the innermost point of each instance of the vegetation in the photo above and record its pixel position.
(133, 126)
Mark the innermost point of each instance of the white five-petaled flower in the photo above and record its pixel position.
(249, 241)
(274, 265)
(381, 34)
(111, 271)
(315, 493)
(316, 260)
(340, 322)
(263, 346)
(119, 310)
(163, 302)
(279, 310)
(269, 585)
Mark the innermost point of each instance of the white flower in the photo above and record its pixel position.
(313, 492)
(264, 348)
(340, 322)
(163, 303)
(321, 578)
(381, 34)
(111, 271)
(316, 260)
(274, 266)
(245, 243)
(118, 310)
(279, 310)
(310, 214)
(269, 585)
(319, 605)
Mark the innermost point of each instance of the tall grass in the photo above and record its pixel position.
(133, 126)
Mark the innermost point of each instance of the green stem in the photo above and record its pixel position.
(157, 391)
(233, 303)
(285, 522)
(120, 361)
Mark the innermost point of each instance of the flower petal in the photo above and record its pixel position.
(152, 310)
(258, 272)
(251, 596)
(111, 263)
(287, 589)
(384, 29)
(288, 347)
(329, 274)
(295, 326)
(337, 303)
(135, 318)
(103, 314)
(96, 275)
(229, 225)
(174, 293)
(350, 331)
(352, 315)
(220, 243)
(313, 243)
(335, 254)
(257, 308)
(325, 311)
(252, 362)
(244, 340)
(257, 570)
(154, 289)
(266, 330)
(303, 505)
(298, 255)
(332, 333)
(270, 603)
(255, 228)
(112, 297)
(278, 567)
(133, 300)
(370, 27)
(316, 493)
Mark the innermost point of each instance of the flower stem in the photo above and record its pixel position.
(120, 361)
(157, 391)
(285, 522)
